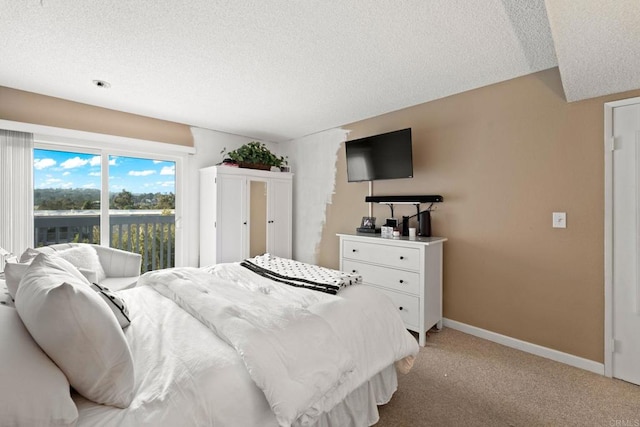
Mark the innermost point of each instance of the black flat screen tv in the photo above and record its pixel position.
(384, 156)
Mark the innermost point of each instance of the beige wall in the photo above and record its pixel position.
(28, 107)
(504, 157)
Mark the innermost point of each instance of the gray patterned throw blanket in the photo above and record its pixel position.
(300, 274)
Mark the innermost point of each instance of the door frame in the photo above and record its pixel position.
(609, 346)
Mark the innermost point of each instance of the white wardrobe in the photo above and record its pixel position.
(244, 213)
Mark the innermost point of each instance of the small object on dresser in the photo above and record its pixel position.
(368, 225)
(368, 230)
(368, 222)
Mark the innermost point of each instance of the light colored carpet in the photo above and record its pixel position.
(461, 380)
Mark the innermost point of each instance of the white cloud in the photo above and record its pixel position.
(55, 183)
(168, 170)
(43, 163)
(158, 161)
(167, 184)
(95, 161)
(141, 173)
(74, 162)
(94, 174)
(66, 173)
(90, 185)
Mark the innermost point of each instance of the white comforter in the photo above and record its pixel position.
(284, 335)
(186, 375)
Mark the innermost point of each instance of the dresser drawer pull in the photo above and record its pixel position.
(401, 281)
(401, 257)
(354, 250)
(401, 308)
(354, 271)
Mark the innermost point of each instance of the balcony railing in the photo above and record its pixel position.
(149, 233)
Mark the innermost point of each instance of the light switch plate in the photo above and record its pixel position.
(559, 220)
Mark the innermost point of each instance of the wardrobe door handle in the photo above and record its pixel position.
(354, 250)
(401, 281)
(353, 271)
(401, 257)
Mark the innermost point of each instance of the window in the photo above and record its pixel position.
(66, 197)
(142, 209)
(108, 198)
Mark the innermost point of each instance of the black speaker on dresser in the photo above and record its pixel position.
(425, 224)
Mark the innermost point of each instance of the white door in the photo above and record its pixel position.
(279, 221)
(626, 243)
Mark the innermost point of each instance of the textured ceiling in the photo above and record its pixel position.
(278, 70)
(597, 43)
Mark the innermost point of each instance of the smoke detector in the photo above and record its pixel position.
(102, 84)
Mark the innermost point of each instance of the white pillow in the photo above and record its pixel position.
(13, 272)
(34, 391)
(115, 303)
(84, 256)
(78, 331)
(15, 269)
(28, 255)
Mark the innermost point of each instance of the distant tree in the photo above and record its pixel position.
(89, 205)
(123, 200)
(166, 201)
(59, 204)
(63, 198)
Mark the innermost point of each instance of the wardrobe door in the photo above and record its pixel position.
(232, 220)
(279, 218)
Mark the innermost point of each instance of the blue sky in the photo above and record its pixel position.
(61, 169)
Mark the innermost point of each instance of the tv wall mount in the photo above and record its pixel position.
(409, 200)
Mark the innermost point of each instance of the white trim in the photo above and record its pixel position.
(609, 146)
(105, 228)
(527, 347)
(72, 137)
(623, 102)
(636, 306)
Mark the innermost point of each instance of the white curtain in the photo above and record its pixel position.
(16, 192)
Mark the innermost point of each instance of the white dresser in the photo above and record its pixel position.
(407, 269)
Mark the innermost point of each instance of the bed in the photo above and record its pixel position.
(218, 346)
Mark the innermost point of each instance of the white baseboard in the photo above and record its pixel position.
(527, 347)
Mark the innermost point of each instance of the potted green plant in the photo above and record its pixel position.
(255, 155)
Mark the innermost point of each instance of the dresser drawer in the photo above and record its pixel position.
(399, 280)
(407, 305)
(393, 256)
